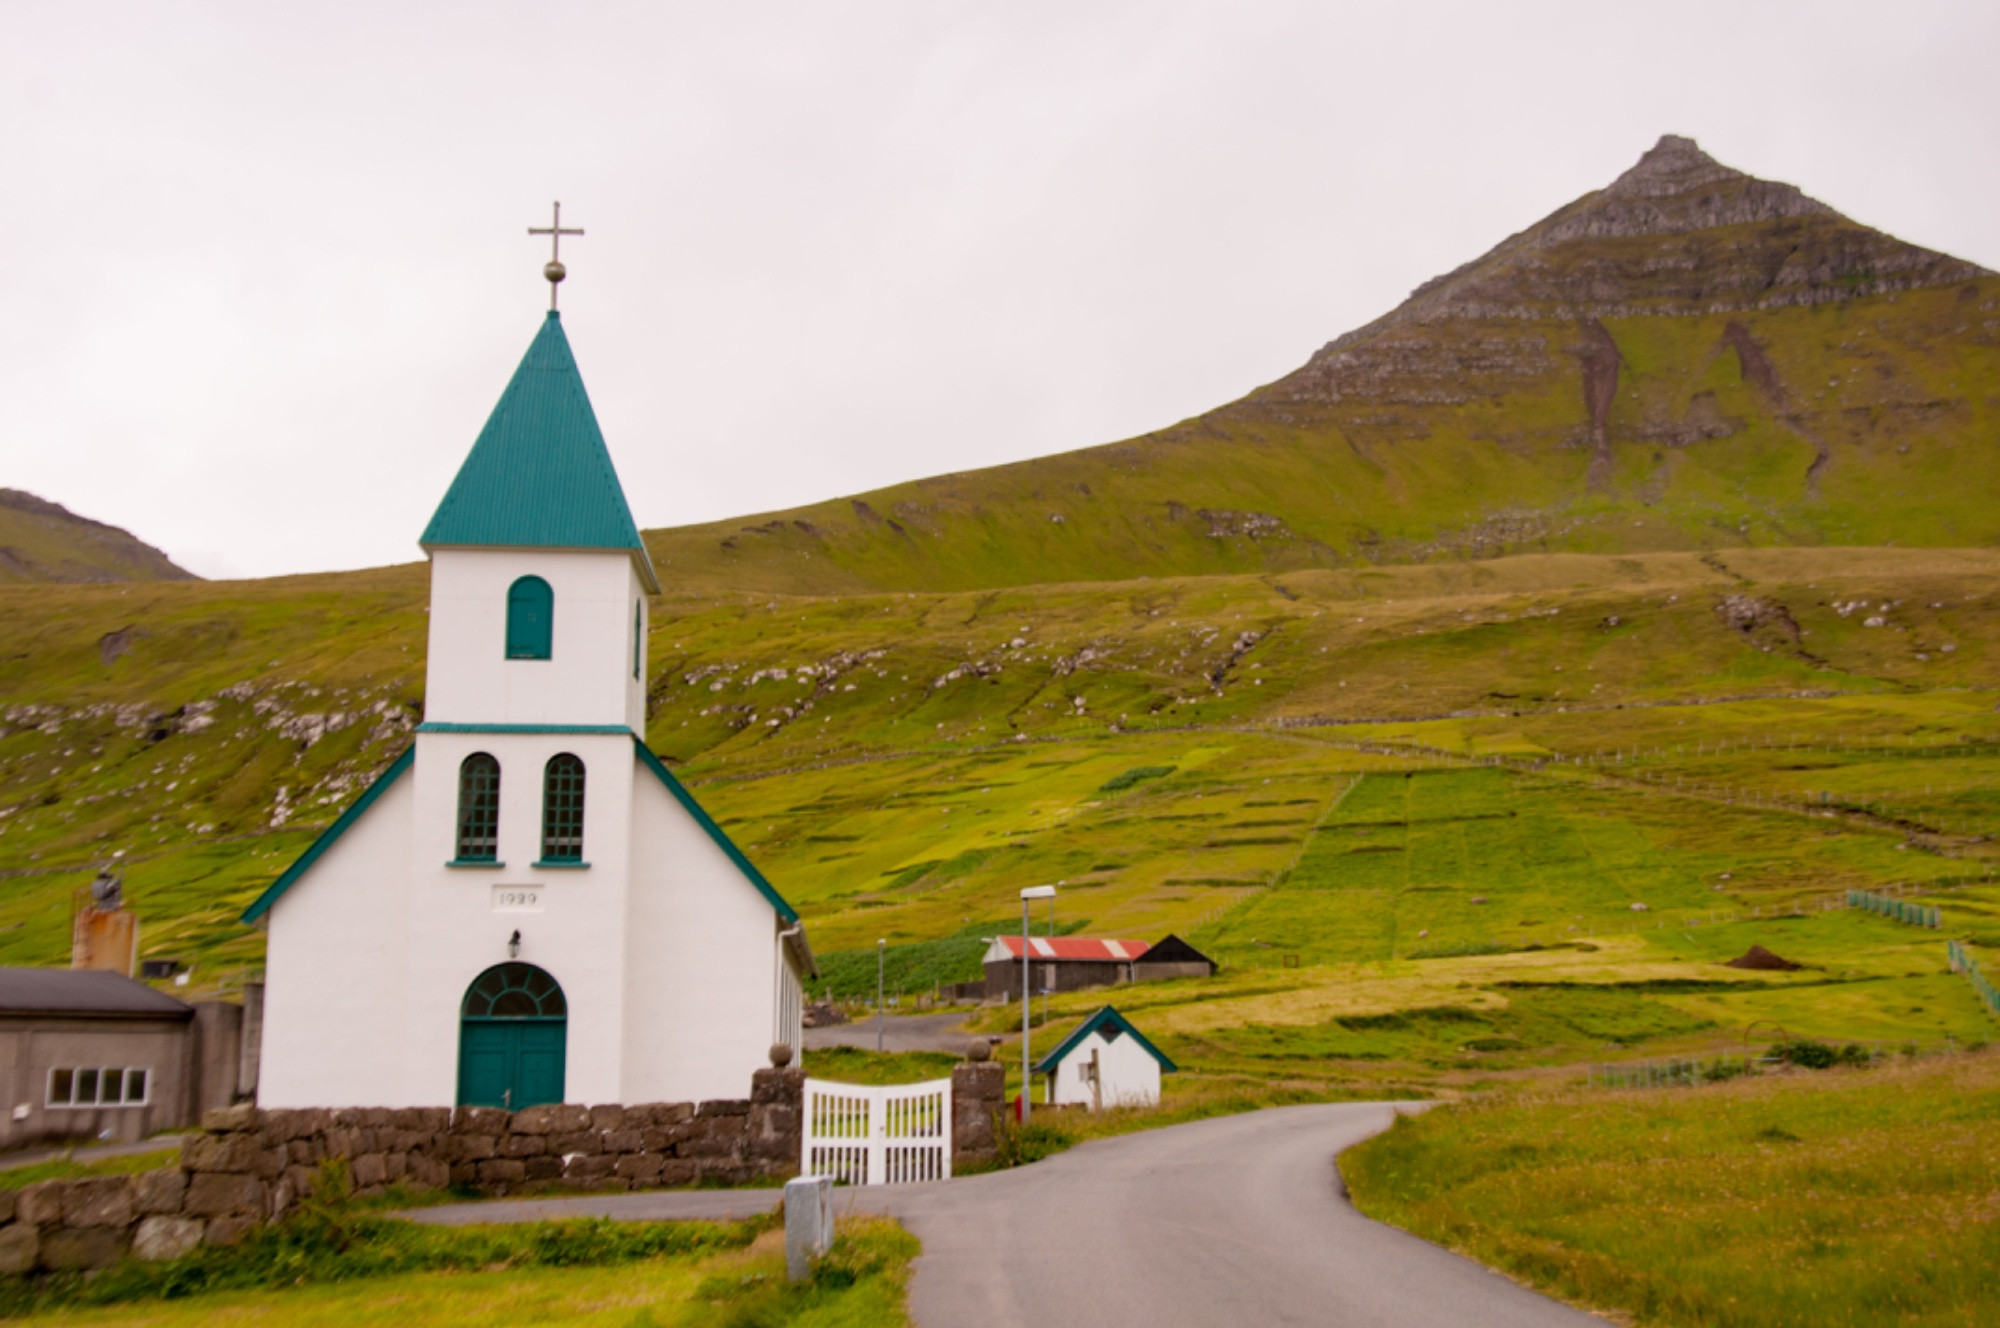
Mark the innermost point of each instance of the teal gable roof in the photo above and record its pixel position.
(1104, 1018)
(540, 476)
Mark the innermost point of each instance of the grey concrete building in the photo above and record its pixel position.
(92, 1056)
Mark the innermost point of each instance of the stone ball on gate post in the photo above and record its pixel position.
(781, 1054)
(977, 1050)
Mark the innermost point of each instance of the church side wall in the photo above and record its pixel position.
(335, 1002)
(587, 678)
(701, 959)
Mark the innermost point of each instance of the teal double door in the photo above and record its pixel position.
(511, 1063)
(513, 1038)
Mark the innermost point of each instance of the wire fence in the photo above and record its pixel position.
(1901, 910)
(1962, 962)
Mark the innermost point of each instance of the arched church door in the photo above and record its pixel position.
(512, 1039)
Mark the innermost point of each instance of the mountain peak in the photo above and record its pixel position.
(1675, 188)
(1679, 233)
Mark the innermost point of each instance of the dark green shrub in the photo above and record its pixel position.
(1127, 778)
(1807, 1053)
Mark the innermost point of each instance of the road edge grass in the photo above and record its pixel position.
(1857, 1196)
(863, 1281)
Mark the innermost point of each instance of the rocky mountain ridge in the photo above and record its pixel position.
(45, 541)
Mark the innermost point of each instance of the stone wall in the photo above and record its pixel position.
(247, 1166)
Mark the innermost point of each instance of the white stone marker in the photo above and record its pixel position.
(808, 1223)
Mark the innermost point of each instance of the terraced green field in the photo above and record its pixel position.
(1370, 792)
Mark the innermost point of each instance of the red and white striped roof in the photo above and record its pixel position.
(1087, 949)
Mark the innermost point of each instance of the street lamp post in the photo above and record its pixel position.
(1033, 892)
(881, 950)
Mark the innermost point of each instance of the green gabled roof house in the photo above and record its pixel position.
(1104, 1062)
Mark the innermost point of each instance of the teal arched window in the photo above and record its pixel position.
(562, 809)
(530, 618)
(478, 809)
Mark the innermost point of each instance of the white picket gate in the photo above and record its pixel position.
(877, 1134)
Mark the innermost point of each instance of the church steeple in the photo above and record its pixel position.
(539, 475)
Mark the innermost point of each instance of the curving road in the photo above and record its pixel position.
(1239, 1220)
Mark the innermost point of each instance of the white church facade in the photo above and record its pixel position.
(527, 906)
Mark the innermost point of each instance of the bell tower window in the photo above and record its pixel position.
(530, 618)
(562, 810)
(478, 809)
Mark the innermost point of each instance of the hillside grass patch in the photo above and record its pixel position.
(1841, 1196)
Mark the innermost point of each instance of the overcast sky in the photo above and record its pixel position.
(265, 265)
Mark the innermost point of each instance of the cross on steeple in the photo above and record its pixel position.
(555, 230)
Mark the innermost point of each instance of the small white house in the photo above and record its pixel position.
(1104, 1062)
(527, 906)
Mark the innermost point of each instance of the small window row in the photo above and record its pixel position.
(479, 809)
(99, 1086)
(531, 613)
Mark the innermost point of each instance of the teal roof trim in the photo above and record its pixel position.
(540, 476)
(440, 727)
(330, 834)
(1105, 1016)
(722, 841)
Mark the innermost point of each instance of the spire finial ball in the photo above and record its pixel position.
(554, 271)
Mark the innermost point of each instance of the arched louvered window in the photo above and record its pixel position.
(562, 809)
(478, 809)
(530, 618)
(514, 991)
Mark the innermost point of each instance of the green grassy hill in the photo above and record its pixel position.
(1423, 786)
(45, 541)
(1688, 359)
(1472, 694)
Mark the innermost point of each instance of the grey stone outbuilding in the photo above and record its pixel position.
(93, 1056)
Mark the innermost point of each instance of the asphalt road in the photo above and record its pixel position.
(900, 1032)
(1239, 1220)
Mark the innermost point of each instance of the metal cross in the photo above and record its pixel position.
(555, 230)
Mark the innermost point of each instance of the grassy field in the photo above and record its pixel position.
(1837, 1197)
(332, 1269)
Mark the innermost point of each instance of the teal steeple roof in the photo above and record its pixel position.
(540, 476)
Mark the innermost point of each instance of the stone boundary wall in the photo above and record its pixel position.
(248, 1167)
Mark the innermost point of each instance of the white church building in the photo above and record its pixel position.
(527, 906)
